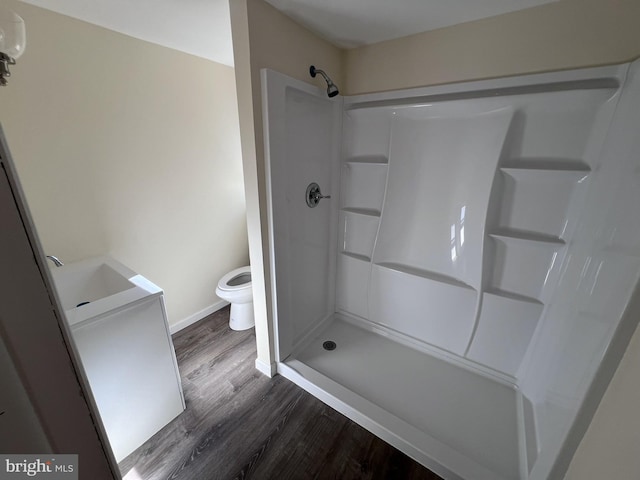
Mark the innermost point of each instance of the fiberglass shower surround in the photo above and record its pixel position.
(476, 257)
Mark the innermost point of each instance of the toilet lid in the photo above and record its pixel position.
(237, 279)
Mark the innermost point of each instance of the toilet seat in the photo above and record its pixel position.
(226, 283)
(235, 288)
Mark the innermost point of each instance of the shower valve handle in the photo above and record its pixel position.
(319, 196)
(314, 195)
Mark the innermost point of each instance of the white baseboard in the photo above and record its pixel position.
(191, 319)
(265, 368)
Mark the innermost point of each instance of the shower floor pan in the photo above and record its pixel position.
(457, 422)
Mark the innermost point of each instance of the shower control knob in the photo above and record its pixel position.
(314, 195)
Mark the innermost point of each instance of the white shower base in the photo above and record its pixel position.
(477, 420)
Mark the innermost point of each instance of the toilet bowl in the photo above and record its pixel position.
(235, 288)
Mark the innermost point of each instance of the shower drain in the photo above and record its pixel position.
(329, 345)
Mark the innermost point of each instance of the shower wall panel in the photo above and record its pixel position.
(456, 213)
(591, 301)
(307, 125)
(425, 308)
(441, 168)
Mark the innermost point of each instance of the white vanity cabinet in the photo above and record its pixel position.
(125, 347)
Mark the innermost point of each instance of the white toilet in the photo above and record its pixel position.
(235, 288)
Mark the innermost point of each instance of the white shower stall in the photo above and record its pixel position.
(474, 264)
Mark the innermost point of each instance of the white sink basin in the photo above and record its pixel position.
(76, 286)
(95, 286)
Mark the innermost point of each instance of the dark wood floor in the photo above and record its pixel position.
(240, 424)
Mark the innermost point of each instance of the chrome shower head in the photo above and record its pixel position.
(332, 89)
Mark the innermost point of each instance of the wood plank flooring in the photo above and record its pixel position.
(240, 424)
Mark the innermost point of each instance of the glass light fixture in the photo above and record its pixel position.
(13, 40)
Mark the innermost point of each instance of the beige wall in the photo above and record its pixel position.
(131, 149)
(265, 38)
(563, 35)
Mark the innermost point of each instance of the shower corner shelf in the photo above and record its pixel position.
(508, 234)
(357, 256)
(368, 159)
(545, 165)
(512, 296)
(542, 175)
(370, 212)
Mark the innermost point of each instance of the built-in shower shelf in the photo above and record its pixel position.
(512, 296)
(545, 175)
(357, 256)
(371, 212)
(547, 164)
(371, 159)
(514, 235)
(419, 272)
